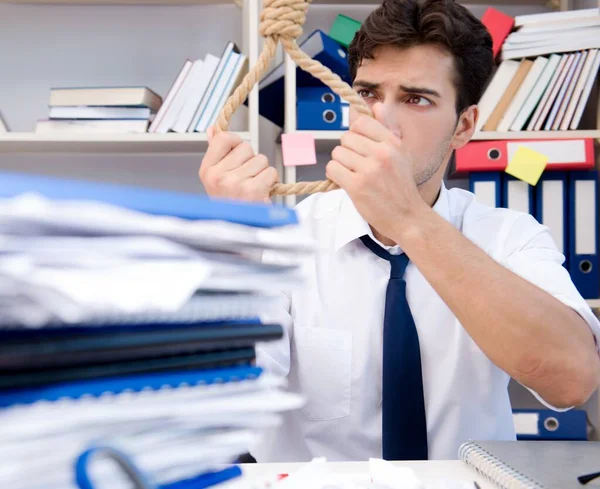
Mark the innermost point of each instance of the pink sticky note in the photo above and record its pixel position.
(298, 149)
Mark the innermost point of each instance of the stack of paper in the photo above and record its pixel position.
(134, 333)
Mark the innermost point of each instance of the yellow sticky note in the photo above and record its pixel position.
(527, 165)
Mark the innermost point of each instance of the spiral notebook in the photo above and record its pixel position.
(533, 464)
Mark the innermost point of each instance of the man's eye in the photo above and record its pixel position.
(364, 93)
(418, 100)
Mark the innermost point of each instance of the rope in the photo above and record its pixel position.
(282, 21)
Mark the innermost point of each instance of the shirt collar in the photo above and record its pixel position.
(351, 225)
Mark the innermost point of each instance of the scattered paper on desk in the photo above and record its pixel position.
(298, 149)
(527, 165)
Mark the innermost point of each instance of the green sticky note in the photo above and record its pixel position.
(527, 165)
(343, 29)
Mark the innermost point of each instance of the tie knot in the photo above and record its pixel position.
(398, 262)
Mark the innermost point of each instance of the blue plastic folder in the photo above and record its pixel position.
(158, 202)
(320, 109)
(134, 383)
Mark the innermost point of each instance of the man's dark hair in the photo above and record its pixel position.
(445, 23)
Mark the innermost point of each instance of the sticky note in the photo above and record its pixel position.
(298, 149)
(527, 165)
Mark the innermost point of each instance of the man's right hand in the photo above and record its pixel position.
(230, 169)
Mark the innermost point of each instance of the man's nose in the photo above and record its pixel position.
(388, 115)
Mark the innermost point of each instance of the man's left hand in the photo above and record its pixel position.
(372, 167)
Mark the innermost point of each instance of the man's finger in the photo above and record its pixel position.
(236, 157)
(372, 129)
(357, 143)
(252, 167)
(351, 160)
(339, 174)
(219, 147)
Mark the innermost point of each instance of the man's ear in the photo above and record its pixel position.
(465, 128)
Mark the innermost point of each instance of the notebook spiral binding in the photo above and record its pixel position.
(493, 469)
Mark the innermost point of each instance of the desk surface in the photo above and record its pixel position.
(430, 472)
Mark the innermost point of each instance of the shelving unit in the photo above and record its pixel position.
(19, 142)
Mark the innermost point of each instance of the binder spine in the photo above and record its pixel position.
(493, 469)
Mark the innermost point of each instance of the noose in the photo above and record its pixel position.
(282, 21)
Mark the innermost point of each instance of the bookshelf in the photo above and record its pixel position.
(141, 143)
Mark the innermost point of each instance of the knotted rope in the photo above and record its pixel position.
(282, 21)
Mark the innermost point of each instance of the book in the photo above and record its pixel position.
(532, 464)
(105, 96)
(98, 126)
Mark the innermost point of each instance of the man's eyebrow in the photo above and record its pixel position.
(366, 84)
(420, 90)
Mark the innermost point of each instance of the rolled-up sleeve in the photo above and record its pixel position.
(533, 255)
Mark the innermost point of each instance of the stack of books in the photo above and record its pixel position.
(92, 110)
(199, 92)
(128, 324)
(549, 63)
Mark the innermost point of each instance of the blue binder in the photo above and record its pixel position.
(552, 425)
(318, 46)
(551, 206)
(159, 202)
(320, 109)
(583, 232)
(487, 187)
(517, 195)
(134, 383)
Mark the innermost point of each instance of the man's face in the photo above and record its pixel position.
(415, 89)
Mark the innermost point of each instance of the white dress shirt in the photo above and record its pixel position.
(332, 350)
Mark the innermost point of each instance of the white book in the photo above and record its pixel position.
(569, 93)
(495, 89)
(68, 126)
(536, 93)
(555, 16)
(522, 93)
(547, 100)
(196, 93)
(560, 25)
(216, 94)
(180, 97)
(586, 93)
(175, 87)
(82, 112)
(561, 93)
(576, 43)
(232, 84)
(583, 77)
(518, 39)
(230, 48)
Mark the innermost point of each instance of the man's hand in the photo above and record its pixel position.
(230, 169)
(372, 167)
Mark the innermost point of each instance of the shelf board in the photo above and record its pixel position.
(327, 140)
(118, 2)
(28, 142)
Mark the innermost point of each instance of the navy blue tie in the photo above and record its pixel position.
(404, 427)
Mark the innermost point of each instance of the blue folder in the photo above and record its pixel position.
(551, 205)
(320, 109)
(517, 195)
(553, 425)
(487, 187)
(583, 232)
(158, 202)
(134, 383)
(319, 46)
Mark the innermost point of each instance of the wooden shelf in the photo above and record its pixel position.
(27, 142)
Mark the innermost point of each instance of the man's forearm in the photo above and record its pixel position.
(524, 330)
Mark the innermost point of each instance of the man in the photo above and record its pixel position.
(408, 360)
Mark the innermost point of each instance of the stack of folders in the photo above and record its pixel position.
(565, 199)
(129, 320)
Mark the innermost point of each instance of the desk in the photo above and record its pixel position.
(429, 472)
